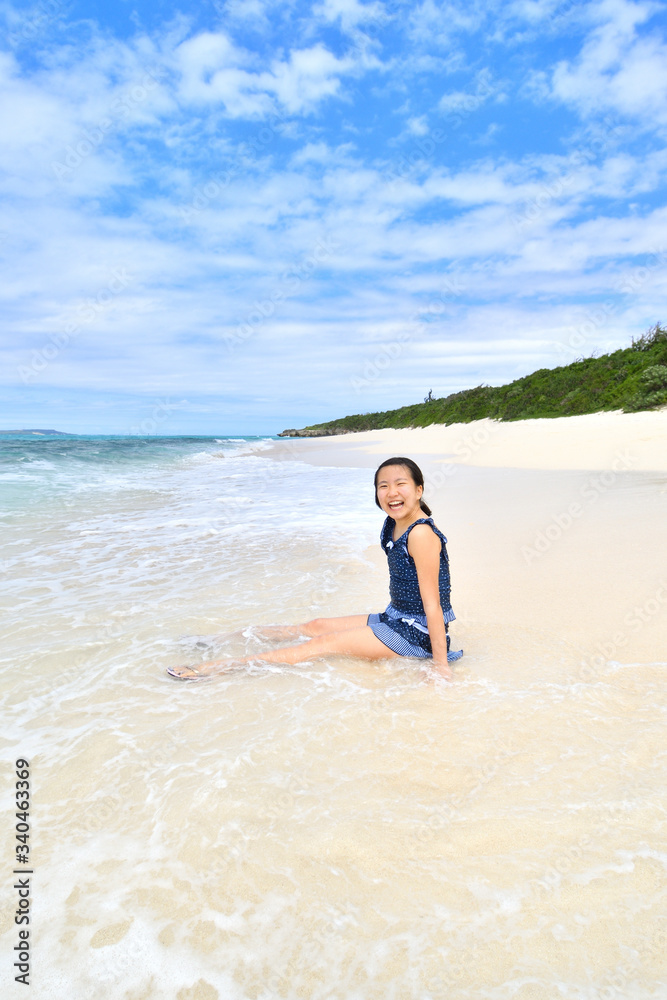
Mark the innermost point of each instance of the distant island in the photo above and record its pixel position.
(34, 431)
(630, 379)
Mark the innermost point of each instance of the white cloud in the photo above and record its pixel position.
(433, 23)
(212, 71)
(309, 76)
(617, 69)
(534, 11)
(417, 126)
(351, 13)
(253, 12)
(62, 126)
(463, 103)
(320, 152)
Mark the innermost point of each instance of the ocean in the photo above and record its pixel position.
(334, 830)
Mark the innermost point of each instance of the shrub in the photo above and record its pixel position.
(654, 378)
(645, 401)
(654, 335)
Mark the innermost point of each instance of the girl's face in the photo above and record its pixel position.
(397, 493)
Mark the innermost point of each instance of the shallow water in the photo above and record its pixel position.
(335, 830)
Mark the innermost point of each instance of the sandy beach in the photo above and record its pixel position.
(342, 829)
(557, 527)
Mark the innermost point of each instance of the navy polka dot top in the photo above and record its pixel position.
(403, 582)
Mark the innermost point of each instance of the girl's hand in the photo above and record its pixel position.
(442, 669)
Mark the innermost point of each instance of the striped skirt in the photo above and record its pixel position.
(407, 634)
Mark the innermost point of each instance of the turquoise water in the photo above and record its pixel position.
(35, 469)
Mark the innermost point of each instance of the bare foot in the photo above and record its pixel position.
(205, 670)
(186, 673)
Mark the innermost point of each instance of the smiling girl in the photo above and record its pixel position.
(413, 624)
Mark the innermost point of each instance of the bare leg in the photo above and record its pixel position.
(356, 641)
(318, 626)
(325, 626)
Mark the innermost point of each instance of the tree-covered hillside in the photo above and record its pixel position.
(630, 379)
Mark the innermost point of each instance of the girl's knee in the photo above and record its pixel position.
(317, 626)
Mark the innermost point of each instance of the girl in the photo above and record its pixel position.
(414, 624)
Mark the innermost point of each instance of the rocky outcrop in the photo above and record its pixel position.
(314, 432)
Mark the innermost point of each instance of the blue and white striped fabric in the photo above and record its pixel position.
(407, 634)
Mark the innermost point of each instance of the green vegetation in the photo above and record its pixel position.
(630, 379)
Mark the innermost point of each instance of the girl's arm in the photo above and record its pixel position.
(424, 546)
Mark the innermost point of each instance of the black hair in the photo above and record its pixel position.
(415, 474)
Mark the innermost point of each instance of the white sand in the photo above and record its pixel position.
(595, 441)
(557, 528)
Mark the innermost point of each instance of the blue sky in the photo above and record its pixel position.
(236, 217)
